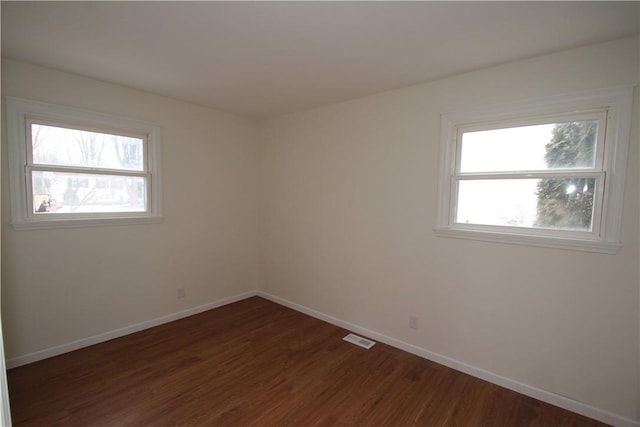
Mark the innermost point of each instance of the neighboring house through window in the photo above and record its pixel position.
(72, 167)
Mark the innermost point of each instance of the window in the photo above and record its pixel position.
(71, 167)
(548, 172)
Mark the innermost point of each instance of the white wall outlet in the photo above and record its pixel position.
(413, 321)
(181, 293)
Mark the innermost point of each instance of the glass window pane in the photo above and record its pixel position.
(59, 146)
(56, 192)
(536, 203)
(537, 147)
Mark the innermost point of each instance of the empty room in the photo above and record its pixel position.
(320, 213)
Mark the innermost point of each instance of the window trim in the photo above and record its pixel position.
(20, 112)
(618, 103)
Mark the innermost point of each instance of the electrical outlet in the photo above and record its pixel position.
(413, 321)
(181, 293)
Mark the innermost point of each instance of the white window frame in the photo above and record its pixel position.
(22, 112)
(605, 236)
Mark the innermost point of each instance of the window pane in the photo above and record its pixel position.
(538, 147)
(536, 203)
(72, 147)
(55, 192)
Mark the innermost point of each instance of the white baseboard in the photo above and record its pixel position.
(95, 339)
(536, 393)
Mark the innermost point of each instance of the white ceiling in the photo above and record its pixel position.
(260, 59)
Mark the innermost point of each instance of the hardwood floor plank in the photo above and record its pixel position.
(256, 363)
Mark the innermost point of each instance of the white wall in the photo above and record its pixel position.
(69, 284)
(348, 204)
(333, 209)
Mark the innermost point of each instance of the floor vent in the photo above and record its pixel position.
(359, 341)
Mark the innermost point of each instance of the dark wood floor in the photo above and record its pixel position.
(257, 363)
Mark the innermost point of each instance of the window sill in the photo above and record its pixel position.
(53, 223)
(530, 240)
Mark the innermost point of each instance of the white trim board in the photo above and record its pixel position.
(543, 395)
(539, 394)
(117, 333)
